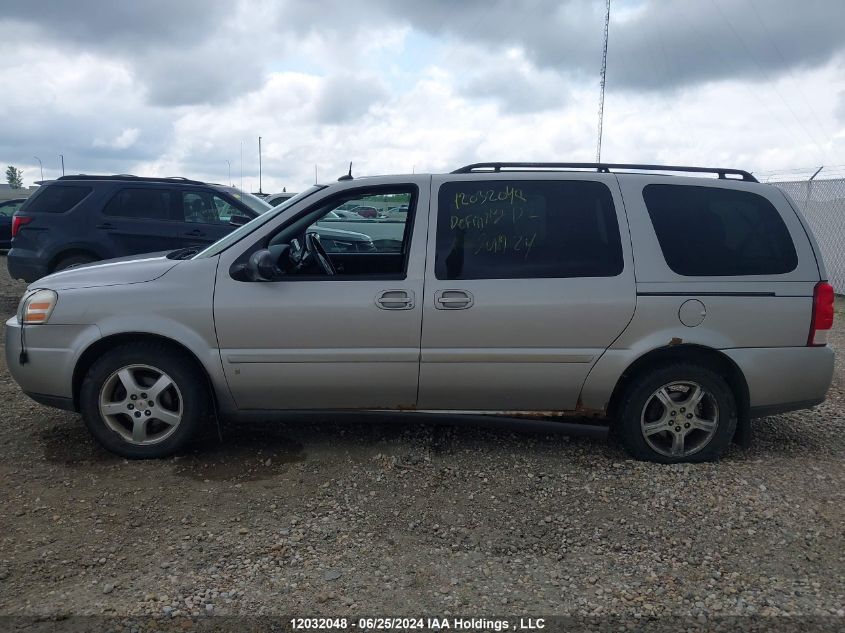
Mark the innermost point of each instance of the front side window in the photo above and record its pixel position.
(207, 208)
(356, 245)
(712, 231)
(526, 229)
(56, 198)
(363, 224)
(150, 204)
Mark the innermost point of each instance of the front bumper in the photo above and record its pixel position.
(52, 354)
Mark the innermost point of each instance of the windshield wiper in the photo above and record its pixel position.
(184, 253)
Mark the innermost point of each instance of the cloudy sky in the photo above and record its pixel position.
(178, 87)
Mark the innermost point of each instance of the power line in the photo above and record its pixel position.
(718, 53)
(774, 43)
(766, 77)
(603, 77)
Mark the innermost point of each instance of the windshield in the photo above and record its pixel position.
(223, 243)
(253, 202)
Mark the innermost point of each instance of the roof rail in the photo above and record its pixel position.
(722, 172)
(130, 177)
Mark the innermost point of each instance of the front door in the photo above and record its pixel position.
(528, 281)
(312, 340)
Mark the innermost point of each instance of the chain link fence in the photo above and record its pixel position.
(823, 204)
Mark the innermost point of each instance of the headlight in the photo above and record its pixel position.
(36, 307)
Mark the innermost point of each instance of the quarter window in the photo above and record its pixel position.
(56, 198)
(526, 229)
(711, 231)
(150, 204)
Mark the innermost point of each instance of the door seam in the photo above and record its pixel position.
(422, 298)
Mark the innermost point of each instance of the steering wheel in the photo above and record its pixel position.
(312, 245)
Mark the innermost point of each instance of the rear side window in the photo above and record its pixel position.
(526, 229)
(710, 231)
(150, 204)
(56, 198)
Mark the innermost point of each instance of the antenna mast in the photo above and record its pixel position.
(603, 76)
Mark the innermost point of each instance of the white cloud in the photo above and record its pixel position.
(124, 140)
(364, 84)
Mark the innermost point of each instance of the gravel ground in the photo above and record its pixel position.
(393, 516)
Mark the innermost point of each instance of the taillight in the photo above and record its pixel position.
(18, 221)
(822, 320)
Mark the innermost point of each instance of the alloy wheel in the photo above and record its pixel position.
(679, 419)
(141, 403)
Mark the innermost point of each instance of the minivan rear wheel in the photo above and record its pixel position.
(143, 400)
(677, 413)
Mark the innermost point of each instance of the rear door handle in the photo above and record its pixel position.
(395, 300)
(453, 299)
(105, 225)
(194, 233)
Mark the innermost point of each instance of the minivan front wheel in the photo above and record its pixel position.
(679, 413)
(143, 400)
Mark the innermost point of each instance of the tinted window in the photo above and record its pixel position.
(152, 204)
(709, 231)
(526, 229)
(56, 198)
(206, 208)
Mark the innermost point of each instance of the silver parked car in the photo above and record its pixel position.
(674, 307)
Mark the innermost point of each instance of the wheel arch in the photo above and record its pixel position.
(68, 252)
(698, 354)
(107, 343)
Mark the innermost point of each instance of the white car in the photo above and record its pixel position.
(275, 199)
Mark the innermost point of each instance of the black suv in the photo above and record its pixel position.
(80, 219)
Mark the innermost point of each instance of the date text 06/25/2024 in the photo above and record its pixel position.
(417, 623)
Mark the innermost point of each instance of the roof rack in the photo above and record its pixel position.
(605, 168)
(130, 177)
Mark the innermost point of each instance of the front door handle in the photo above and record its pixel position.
(395, 300)
(194, 233)
(453, 299)
(105, 225)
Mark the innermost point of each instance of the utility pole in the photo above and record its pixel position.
(42, 166)
(242, 165)
(259, 165)
(603, 76)
(62, 156)
(230, 171)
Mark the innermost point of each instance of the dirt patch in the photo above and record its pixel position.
(390, 515)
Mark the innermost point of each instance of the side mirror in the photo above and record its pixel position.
(238, 220)
(263, 265)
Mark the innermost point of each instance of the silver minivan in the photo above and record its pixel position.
(673, 307)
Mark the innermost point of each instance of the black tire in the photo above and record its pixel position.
(639, 394)
(192, 388)
(70, 261)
